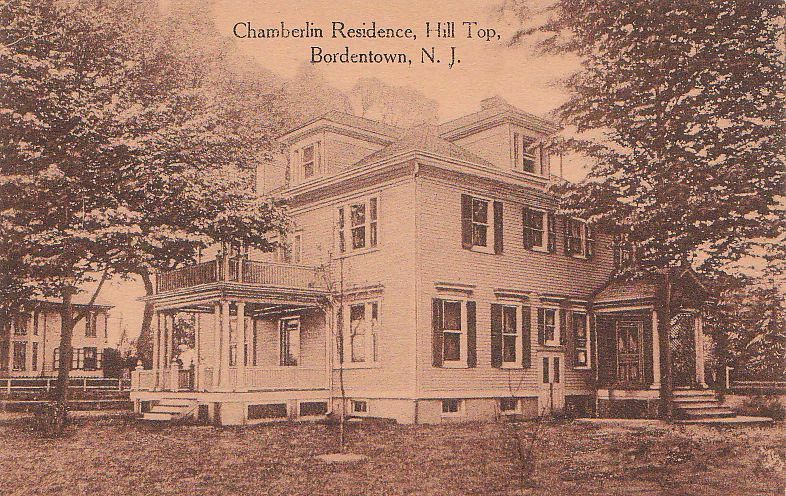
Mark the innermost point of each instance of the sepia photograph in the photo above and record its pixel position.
(473, 247)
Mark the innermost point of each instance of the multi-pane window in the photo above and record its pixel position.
(20, 325)
(90, 359)
(480, 222)
(509, 335)
(20, 355)
(289, 341)
(81, 358)
(624, 253)
(452, 331)
(509, 405)
(452, 406)
(581, 340)
(536, 229)
(91, 320)
(550, 329)
(359, 406)
(310, 158)
(525, 154)
(363, 332)
(578, 238)
(357, 225)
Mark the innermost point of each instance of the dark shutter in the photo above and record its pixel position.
(526, 336)
(541, 326)
(526, 215)
(552, 235)
(593, 343)
(436, 334)
(649, 373)
(340, 334)
(563, 326)
(590, 241)
(472, 349)
(466, 222)
(570, 340)
(498, 227)
(496, 335)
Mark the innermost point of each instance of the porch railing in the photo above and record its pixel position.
(142, 380)
(241, 270)
(286, 378)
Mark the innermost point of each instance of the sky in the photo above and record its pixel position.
(487, 68)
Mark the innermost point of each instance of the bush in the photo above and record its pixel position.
(52, 419)
(764, 406)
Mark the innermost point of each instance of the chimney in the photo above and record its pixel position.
(492, 102)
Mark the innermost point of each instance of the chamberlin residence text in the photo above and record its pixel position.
(435, 31)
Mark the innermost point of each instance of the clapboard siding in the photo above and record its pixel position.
(390, 269)
(443, 259)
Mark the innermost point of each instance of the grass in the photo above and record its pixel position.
(118, 455)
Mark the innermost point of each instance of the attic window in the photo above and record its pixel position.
(310, 160)
(528, 156)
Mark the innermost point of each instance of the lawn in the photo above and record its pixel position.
(117, 455)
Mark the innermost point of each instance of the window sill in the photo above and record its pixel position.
(511, 365)
(482, 249)
(454, 365)
(361, 251)
(540, 249)
(583, 367)
(359, 365)
(453, 415)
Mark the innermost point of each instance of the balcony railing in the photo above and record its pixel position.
(244, 271)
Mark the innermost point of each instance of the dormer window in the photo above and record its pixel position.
(528, 155)
(310, 161)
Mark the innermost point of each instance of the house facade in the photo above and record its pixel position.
(427, 278)
(30, 341)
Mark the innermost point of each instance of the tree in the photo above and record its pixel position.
(680, 106)
(395, 105)
(106, 166)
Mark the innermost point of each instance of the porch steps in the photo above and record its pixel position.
(699, 404)
(171, 410)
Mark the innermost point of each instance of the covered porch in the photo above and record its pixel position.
(635, 321)
(252, 328)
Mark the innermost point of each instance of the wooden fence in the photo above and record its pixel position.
(17, 384)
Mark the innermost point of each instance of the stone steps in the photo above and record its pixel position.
(171, 410)
(699, 405)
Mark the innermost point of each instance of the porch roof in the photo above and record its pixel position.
(646, 288)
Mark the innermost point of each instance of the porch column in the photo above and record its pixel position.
(655, 351)
(216, 344)
(224, 379)
(698, 326)
(156, 339)
(241, 346)
(198, 360)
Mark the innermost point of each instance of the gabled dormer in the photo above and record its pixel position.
(509, 138)
(331, 143)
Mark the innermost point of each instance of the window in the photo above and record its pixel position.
(362, 334)
(452, 407)
(539, 230)
(524, 154)
(35, 357)
(20, 355)
(35, 323)
(510, 341)
(233, 355)
(358, 225)
(452, 332)
(509, 406)
(581, 340)
(90, 359)
(546, 374)
(359, 406)
(548, 327)
(481, 224)
(297, 248)
(357, 332)
(624, 253)
(578, 238)
(20, 325)
(310, 158)
(90, 324)
(289, 341)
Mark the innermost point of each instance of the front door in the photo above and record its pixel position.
(629, 359)
(551, 399)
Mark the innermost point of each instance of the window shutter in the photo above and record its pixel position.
(568, 237)
(552, 225)
(527, 216)
(570, 340)
(590, 241)
(563, 326)
(472, 350)
(436, 332)
(498, 227)
(466, 222)
(526, 336)
(592, 343)
(496, 335)
(541, 326)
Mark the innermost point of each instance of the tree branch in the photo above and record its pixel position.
(93, 298)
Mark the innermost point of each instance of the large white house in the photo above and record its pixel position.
(429, 278)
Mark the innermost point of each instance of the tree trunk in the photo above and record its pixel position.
(144, 344)
(66, 353)
(664, 322)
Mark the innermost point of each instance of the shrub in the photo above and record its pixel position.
(764, 406)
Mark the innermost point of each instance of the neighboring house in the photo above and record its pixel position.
(30, 341)
(459, 292)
